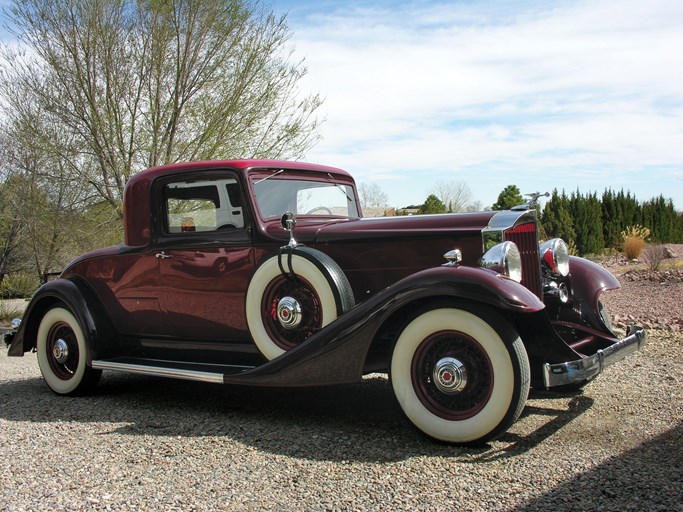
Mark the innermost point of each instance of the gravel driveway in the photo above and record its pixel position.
(153, 444)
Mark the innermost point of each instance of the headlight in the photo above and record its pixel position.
(555, 256)
(504, 258)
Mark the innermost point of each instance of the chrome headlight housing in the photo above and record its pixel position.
(504, 258)
(555, 256)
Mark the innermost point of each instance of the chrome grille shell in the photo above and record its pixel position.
(519, 227)
(525, 237)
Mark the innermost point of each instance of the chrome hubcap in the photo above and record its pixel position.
(60, 351)
(450, 375)
(289, 312)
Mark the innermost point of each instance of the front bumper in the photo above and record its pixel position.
(573, 372)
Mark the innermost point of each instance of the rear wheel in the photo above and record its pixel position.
(63, 354)
(460, 376)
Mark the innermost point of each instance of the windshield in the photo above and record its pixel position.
(275, 196)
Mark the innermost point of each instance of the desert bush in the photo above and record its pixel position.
(9, 312)
(634, 240)
(653, 256)
(18, 286)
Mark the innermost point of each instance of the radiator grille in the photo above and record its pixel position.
(526, 239)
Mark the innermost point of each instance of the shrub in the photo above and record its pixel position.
(9, 312)
(634, 240)
(654, 255)
(18, 286)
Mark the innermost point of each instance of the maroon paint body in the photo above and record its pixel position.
(180, 295)
(198, 292)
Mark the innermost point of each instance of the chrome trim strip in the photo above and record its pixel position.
(571, 372)
(157, 371)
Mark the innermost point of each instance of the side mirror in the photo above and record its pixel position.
(288, 222)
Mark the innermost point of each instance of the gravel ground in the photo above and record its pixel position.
(153, 444)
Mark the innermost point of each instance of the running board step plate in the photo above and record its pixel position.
(158, 370)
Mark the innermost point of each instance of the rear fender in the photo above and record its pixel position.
(80, 300)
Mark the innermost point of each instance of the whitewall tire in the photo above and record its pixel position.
(63, 353)
(460, 376)
(291, 297)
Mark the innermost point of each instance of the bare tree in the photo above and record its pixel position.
(456, 195)
(371, 196)
(133, 84)
(475, 206)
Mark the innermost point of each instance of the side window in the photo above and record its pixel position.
(201, 206)
(233, 190)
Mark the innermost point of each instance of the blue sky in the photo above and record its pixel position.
(540, 94)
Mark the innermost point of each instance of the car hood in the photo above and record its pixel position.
(416, 226)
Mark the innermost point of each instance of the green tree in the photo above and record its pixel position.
(134, 84)
(557, 220)
(11, 232)
(661, 218)
(433, 205)
(508, 198)
(586, 214)
(612, 224)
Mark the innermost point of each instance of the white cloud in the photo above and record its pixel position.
(552, 94)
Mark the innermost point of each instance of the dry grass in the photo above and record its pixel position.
(634, 239)
(9, 310)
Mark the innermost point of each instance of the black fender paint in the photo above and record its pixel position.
(336, 354)
(80, 300)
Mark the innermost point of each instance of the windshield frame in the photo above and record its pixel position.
(290, 182)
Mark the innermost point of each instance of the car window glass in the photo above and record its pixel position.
(201, 206)
(277, 196)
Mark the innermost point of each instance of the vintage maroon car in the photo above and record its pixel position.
(265, 273)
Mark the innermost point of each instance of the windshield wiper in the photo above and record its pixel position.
(268, 177)
(329, 177)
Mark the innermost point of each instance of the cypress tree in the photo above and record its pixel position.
(557, 220)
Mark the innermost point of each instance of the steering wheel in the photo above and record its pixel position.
(322, 208)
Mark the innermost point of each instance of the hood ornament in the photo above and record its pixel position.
(533, 201)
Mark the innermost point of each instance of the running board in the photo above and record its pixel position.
(162, 371)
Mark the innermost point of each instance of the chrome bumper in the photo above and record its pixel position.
(571, 372)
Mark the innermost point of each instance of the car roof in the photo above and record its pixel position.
(136, 213)
(238, 165)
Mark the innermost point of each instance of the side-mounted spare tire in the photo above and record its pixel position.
(293, 295)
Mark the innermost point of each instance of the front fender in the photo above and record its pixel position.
(477, 284)
(336, 354)
(78, 298)
(588, 281)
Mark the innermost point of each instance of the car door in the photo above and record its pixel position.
(205, 255)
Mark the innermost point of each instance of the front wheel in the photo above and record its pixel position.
(460, 376)
(63, 354)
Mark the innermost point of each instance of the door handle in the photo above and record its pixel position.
(163, 256)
